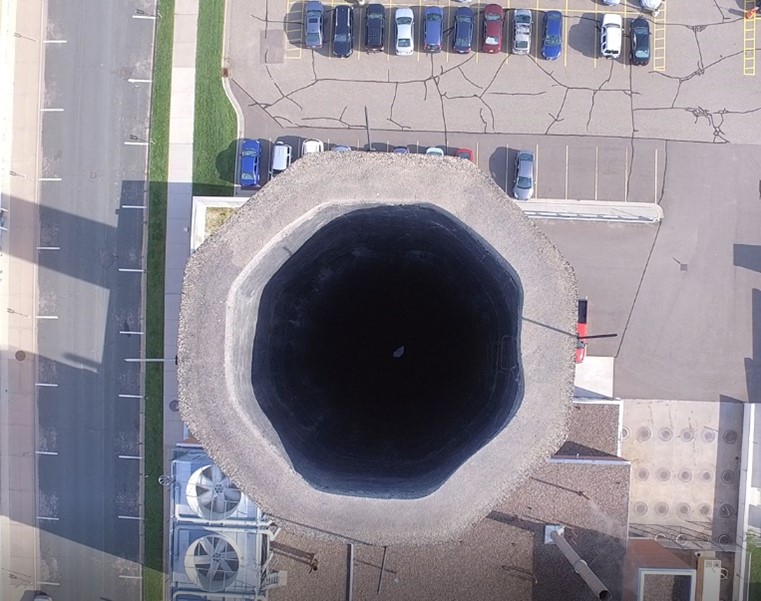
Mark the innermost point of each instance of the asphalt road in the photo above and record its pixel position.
(96, 145)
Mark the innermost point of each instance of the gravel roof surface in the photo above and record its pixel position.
(501, 557)
(223, 283)
(594, 431)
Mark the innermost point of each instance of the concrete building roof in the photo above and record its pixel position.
(222, 291)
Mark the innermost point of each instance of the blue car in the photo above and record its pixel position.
(552, 43)
(250, 155)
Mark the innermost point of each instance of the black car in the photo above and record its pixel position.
(343, 31)
(464, 24)
(375, 27)
(639, 32)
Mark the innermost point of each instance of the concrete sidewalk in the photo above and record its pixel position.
(22, 61)
(592, 210)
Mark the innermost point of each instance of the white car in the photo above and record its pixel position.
(611, 35)
(651, 6)
(522, 21)
(405, 27)
(310, 146)
(435, 151)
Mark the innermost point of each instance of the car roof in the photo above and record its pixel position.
(523, 12)
(434, 10)
(313, 5)
(249, 144)
(464, 11)
(374, 8)
(639, 22)
(611, 19)
(403, 11)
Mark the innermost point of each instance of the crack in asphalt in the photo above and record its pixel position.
(556, 118)
(594, 95)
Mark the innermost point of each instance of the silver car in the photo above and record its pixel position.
(522, 21)
(523, 188)
(404, 21)
(313, 17)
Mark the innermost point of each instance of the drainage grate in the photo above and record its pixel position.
(687, 435)
(644, 434)
(727, 476)
(683, 509)
(625, 433)
(643, 473)
(685, 475)
(705, 509)
(706, 476)
(730, 437)
(640, 508)
(662, 508)
(665, 434)
(663, 474)
(726, 510)
(708, 435)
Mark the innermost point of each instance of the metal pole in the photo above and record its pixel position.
(350, 572)
(580, 567)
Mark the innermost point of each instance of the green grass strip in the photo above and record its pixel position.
(154, 522)
(214, 138)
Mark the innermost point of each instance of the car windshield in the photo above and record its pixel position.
(404, 20)
(247, 176)
(249, 153)
(341, 37)
(433, 17)
(641, 53)
(552, 40)
(374, 16)
(521, 44)
(522, 19)
(490, 41)
(491, 17)
(524, 183)
(403, 43)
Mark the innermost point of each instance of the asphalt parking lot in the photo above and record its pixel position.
(601, 129)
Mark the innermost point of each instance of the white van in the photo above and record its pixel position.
(281, 158)
(611, 35)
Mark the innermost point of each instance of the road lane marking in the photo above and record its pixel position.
(136, 143)
(45, 385)
(142, 207)
(536, 172)
(44, 517)
(133, 80)
(48, 583)
(626, 173)
(47, 316)
(129, 270)
(659, 40)
(53, 453)
(655, 178)
(130, 332)
(130, 457)
(48, 248)
(129, 517)
(50, 179)
(53, 41)
(597, 157)
(129, 396)
(149, 17)
(51, 110)
(128, 576)
(749, 40)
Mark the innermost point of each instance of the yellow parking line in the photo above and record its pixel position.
(626, 54)
(505, 33)
(359, 46)
(390, 26)
(566, 172)
(293, 30)
(597, 35)
(537, 12)
(659, 40)
(749, 41)
(420, 27)
(565, 35)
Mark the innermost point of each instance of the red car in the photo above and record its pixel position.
(581, 331)
(494, 24)
(464, 153)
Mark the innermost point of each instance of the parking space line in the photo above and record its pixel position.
(597, 35)
(507, 31)
(391, 24)
(476, 154)
(420, 25)
(536, 172)
(565, 36)
(623, 52)
(537, 12)
(626, 173)
(566, 172)
(749, 40)
(659, 40)
(597, 162)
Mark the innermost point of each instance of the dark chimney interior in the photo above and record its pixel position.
(386, 351)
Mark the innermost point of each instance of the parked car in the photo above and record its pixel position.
(401, 150)
(611, 35)
(311, 146)
(581, 330)
(651, 6)
(435, 151)
(494, 24)
(375, 27)
(281, 158)
(314, 14)
(433, 29)
(611, 2)
(523, 186)
(343, 31)
(404, 22)
(522, 22)
(464, 153)
(464, 24)
(341, 148)
(552, 41)
(250, 157)
(639, 32)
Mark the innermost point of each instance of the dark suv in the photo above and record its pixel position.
(639, 32)
(375, 27)
(464, 24)
(343, 31)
